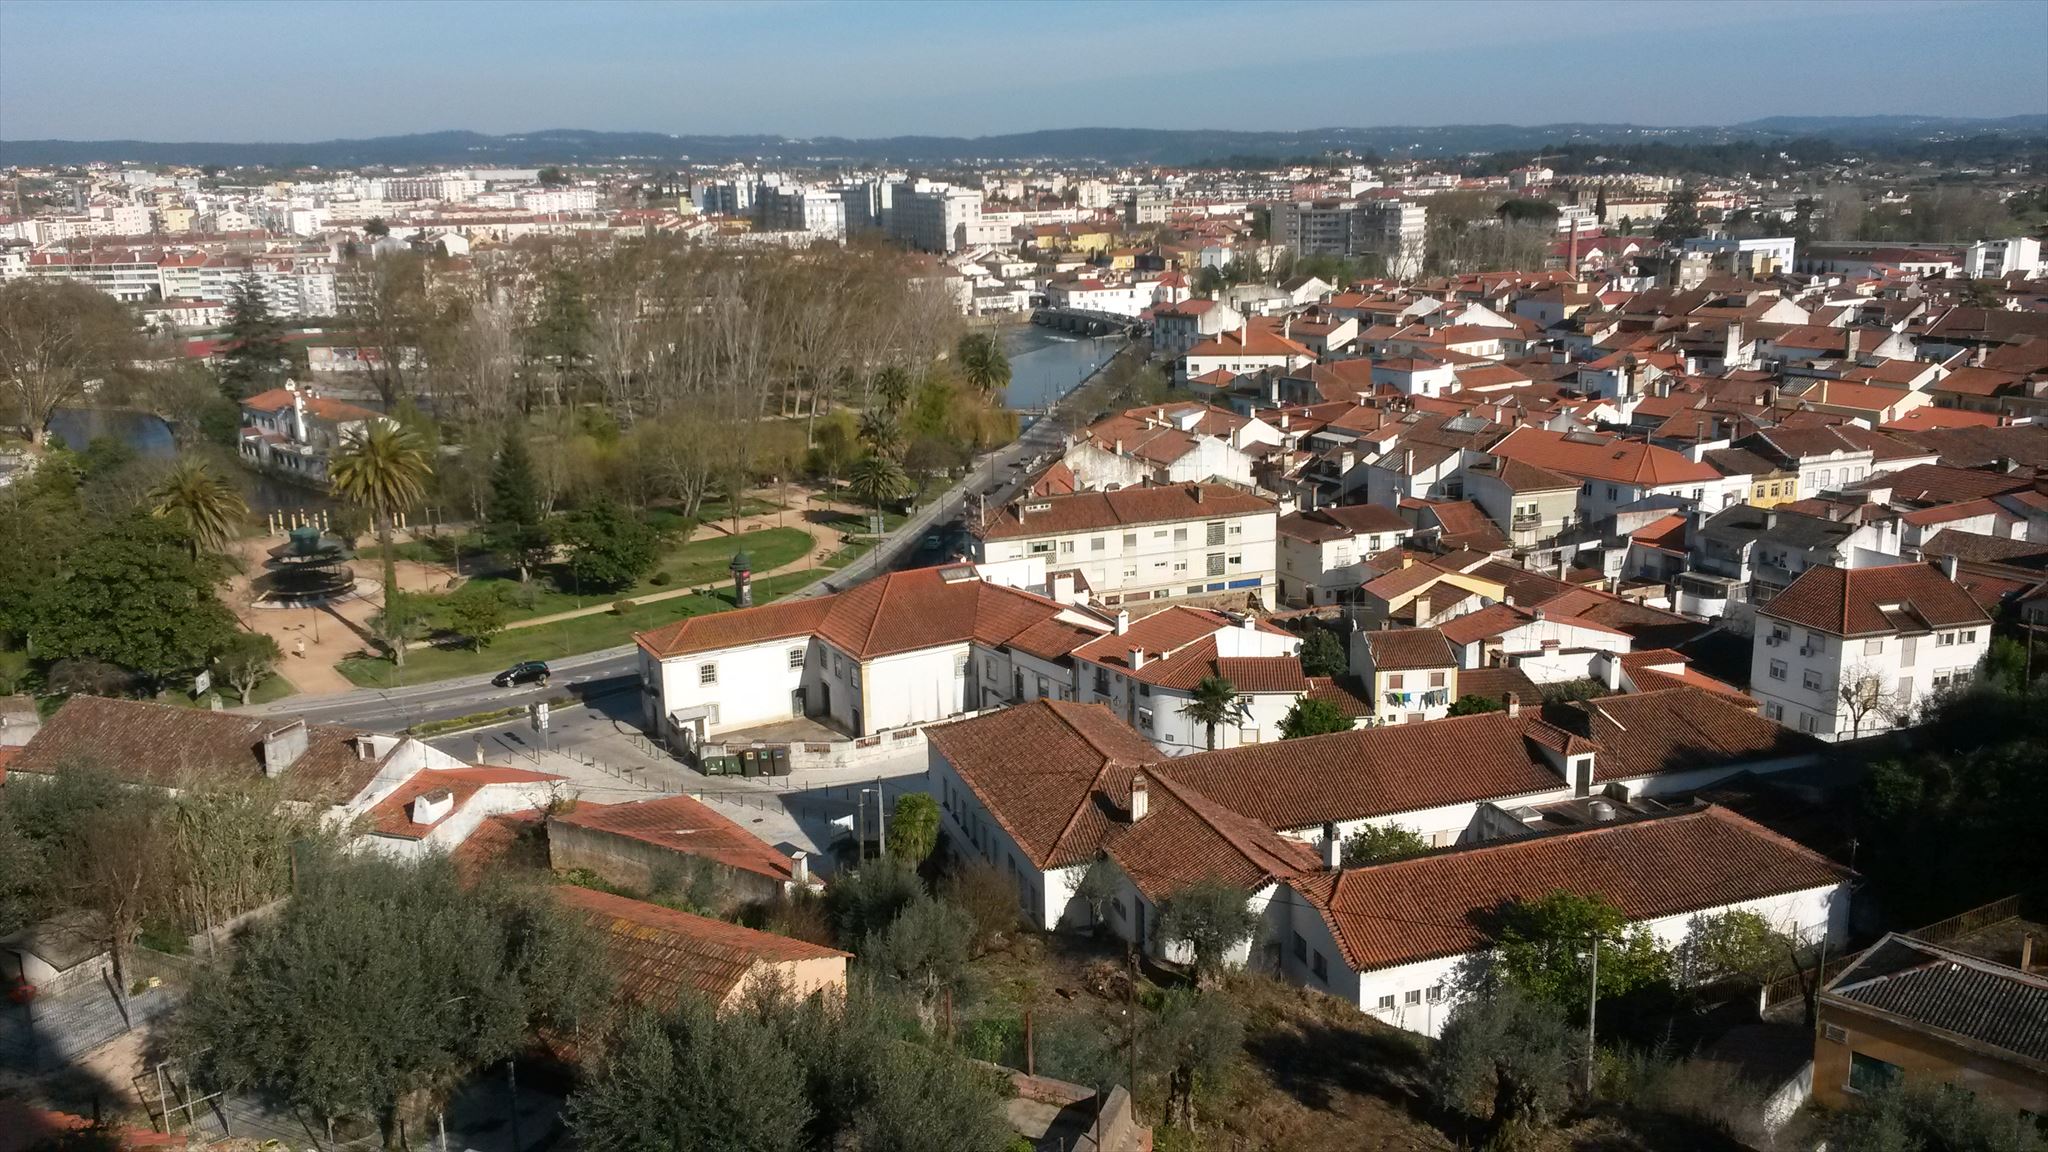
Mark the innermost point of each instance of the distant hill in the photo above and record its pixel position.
(1106, 145)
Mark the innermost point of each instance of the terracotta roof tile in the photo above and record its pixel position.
(658, 955)
(392, 816)
(1601, 457)
(1399, 649)
(1444, 903)
(1907, 598)
(1123, 508)
(682, 825)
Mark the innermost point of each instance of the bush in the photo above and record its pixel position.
(661, 579)
(986, 895)
(869, 898)
(621, 607)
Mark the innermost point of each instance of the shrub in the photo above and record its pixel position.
(989, 898)
(621, 607)
(661, 579)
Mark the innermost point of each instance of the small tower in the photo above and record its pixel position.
(742, 580)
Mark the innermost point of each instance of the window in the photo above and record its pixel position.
(1777, 669)
(1436, 679)
(1040, 547)
(1096, 544)
(1968, 636)
(1215, 530)
(1812, 679)
(1066, 547)
(1873, 647)
(1237, 561)
(1130, 539)
(1945, 640)
(1611, 493)
(1118, 904)
(1436, 993)
(1320, 966)
(1780, 633)
(707, 673)
(1394, 681)
(1194, 590)
(1826, 476)
(1180, 566)
(1808, 722)
(1386, 1003)
(1774, 711)
(1130, 571)
(1237, 529)
(1215, 563)
(1180, 535)
(1835, 1033)
(1412, 996)
(1868, 1074)
(1300, 947)
(796, 657)
(1145, 719)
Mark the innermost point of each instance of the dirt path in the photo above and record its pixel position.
(315, 640)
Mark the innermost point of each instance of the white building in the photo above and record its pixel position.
(1323, 553)
(1147, 671)
(1136, 545)
(1844, 653)
(1990, 259)
(937, 217)
(901, 650)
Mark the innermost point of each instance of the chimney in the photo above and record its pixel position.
(2027, 952)
(1948, 566)
(1514, 702)
(800, 866)
(1408, 462)
(1136, 658)
(1852, 338)
(283, 747)
(1119, 446)
(1770, 519)
(1123, 621)
(1613, 672)
(1333, 849)
(1140, 802)
(431, 806)
(1198, 493)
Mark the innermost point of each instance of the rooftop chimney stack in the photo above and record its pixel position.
(1141, 801)
(1333, 849)
(1513, 700)
(283, 747)
(1137, 658)
(1948, 566)
(800, 866)
(2027, 952)
(1123, 621)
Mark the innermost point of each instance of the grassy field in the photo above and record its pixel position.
(559, 639)
(699, 563)
(272, 689)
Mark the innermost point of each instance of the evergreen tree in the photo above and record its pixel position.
(514, 525)
(256, 356)
(1681, 215)
(1322, 654)
(1600, 206)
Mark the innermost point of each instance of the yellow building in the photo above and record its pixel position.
(177, 219)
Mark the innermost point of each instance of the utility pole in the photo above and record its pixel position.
(1592, 1007)
(881, 821)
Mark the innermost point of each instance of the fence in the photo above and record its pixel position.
(1794, 986)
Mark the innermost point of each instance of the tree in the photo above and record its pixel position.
(1209, 917)
(383, 470)
(254, 356)
(1194, 1038)
(1380, 843)
(1213, 702)
(1910, 1118)
(1472, 704)
(1681, 215)
(987, 895)
(131, 593)
(56, 336)
(302, 1009)
(477, 610)
(695, 1079)
(914, 827)
(868, 899)
(515, 526)
(1096, 890)
(609, 549)
(875, 480)
(1322, 654)
(893, 385)
(1600, 205)
(983, 365)
(246, 660)
(1313, 716)
(881, 434)
(551, 177)
(375, 228)
(1504, 1058)
(1544, 947)
(925, 949)
(560, 334)
(1865, 698)
(205, 505)
(1735, 945)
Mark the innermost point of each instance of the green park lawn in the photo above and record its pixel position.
(561, 638)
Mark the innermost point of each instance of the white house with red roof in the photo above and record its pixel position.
(436, 809)
(1844, 653)
(901, 650)
(294, 432)
(1176, 328)
(1247, 348)
(1324, 552)
(1614, 471)
(1147, 671)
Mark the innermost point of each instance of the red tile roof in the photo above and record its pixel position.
(325, 408)
(1344, 521)
(1400, 649)
(1123, 508)
(392, 816)
(1902, 598)
(1444, 903)
(1601, 457)
(682, 825)
(658, 955)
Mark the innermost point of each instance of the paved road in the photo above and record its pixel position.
(994, 478)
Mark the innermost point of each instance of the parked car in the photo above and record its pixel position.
(524, 672)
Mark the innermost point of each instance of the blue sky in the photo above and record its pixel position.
(250, 70)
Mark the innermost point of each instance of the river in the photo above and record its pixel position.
(1046, 365)
(151, 437)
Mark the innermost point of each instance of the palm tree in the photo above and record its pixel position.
(383, 470)
(881, 433)
(206, 505)
(876, 479)
(1214, 702)
(892, 384)
(983, 365)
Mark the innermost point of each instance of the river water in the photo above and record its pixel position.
(1046, 365)
(151, 437)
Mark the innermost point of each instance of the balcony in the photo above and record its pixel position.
(1525, 523)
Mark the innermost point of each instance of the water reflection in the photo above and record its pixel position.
(1045, 365)
(151, 437)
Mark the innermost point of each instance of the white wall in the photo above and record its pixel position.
(1161, 559)
(755, 682)
(1909, 669)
